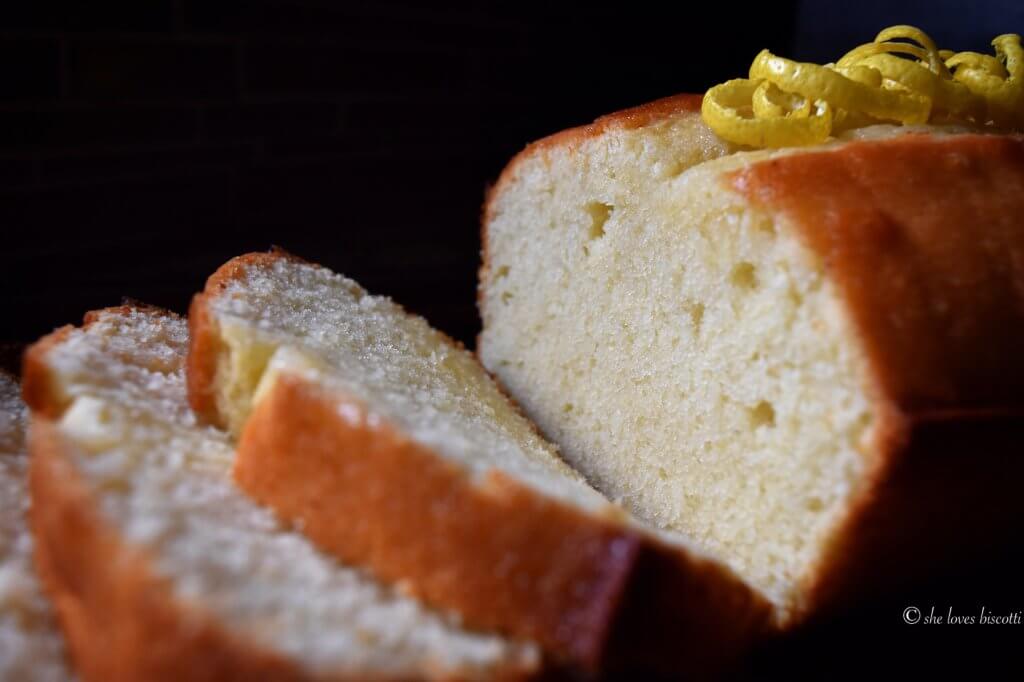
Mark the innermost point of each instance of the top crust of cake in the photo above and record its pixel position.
(626, 119)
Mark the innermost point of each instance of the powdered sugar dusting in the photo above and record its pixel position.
(367, 347)
(166, 482)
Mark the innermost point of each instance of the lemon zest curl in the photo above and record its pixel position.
(901, 77)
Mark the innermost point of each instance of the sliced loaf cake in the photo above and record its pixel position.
(390, 446)
(161, 569)
(31, 645)
(806, 360)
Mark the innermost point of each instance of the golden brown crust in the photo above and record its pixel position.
(924, 239)
(419, 513)
(204, 349)
(120, 619)
(205, 345)
(37, 388)
(503, 556)
(626, 119)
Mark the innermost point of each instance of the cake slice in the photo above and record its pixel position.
(808, 360)
(390, 446)
(161, 569)
(31, 645)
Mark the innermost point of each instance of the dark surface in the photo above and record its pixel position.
(143, 144)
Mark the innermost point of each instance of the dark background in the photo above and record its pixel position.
(146, 143)
(142, 144)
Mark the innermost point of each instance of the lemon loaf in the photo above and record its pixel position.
(161, 569)
(391, 447)
(796, 357)
(31, 646)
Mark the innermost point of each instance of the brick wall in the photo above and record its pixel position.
(143, 144)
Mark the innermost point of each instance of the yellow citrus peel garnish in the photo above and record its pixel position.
(901, 77)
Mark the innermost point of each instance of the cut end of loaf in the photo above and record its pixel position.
(674, 340)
